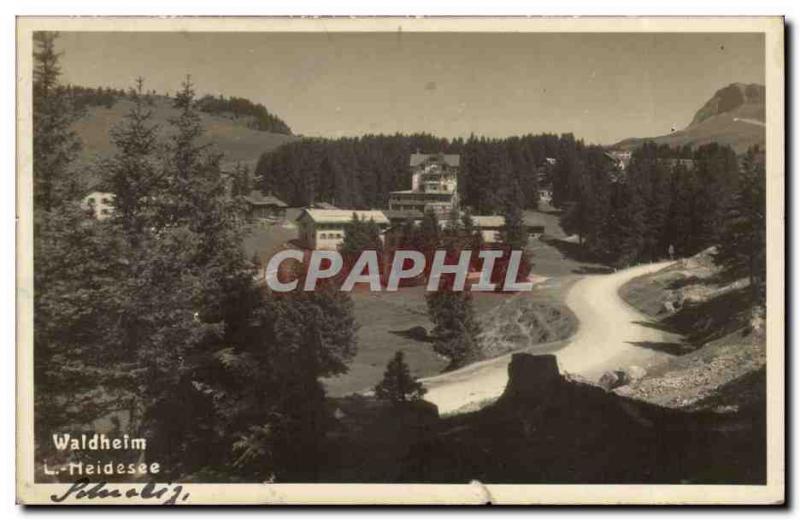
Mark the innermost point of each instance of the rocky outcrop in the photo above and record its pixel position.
(532, 380)
(730, 98)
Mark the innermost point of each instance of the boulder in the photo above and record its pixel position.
(613, 379)
(635, 373)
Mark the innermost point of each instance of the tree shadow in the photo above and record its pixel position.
(593, 269)
(658, 325)
(578, 253)
(674, 349)
(712, 319)
(417, 333)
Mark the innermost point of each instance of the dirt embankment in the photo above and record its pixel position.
(522, 322)
(722, 364)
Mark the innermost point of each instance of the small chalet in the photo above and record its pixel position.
(267, 206)
(99, 203)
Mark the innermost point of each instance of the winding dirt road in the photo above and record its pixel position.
(611, 335)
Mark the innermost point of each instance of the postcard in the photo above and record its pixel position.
(400, 260)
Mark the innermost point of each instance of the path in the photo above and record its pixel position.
(611, 335)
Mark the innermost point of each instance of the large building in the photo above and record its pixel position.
(325, 228)
(434, 185)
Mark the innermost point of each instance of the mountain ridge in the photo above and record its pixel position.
(733, 116)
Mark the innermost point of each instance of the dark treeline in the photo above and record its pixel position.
(667, 202)
(82, 97)
(262, 119)
(359, 172)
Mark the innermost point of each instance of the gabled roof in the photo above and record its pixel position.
(256, 198)
(489, 221)
(101, 194)
(453, 160)
(398, 214)
(323, 205)
(342, 216)
(482, 221)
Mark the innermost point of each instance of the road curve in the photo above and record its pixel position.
(610, 336)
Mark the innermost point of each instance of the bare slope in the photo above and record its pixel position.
(723, 364)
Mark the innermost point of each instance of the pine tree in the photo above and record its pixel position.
(513, 232)
(241, 180)
(273, 403)
(454, 224)
(397, 385)
(429, 232)
(742, 245)
(189, 261)
(55, 144)
(360, 235)
(455, 327)
(134, 176)
(631, 241)
(467, 222)
(80, 370)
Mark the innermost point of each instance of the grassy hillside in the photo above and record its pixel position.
(230, 135)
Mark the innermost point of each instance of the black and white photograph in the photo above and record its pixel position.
(478, 260)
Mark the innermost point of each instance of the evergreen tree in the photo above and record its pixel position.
(455, 327)
(454, 225)
(513, 232)
(55, 144)
(80, 370)
(241, 180)
(274, 403)
(742, 245)
(360, 235)
(633, 232)
(194, 266)
(429, 232)
(397, 385)
(467, 222)
(134, 176)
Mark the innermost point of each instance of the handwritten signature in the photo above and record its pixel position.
(100, 490)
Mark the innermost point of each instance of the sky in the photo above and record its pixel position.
(601, 87)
